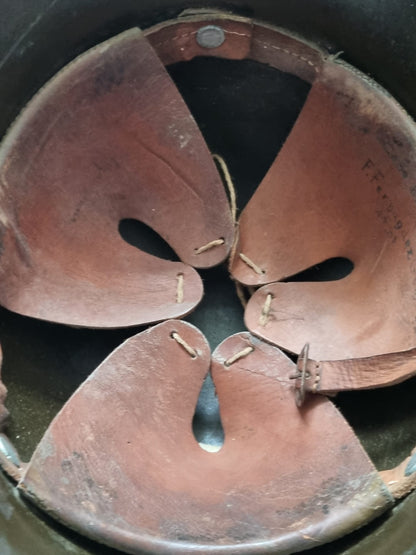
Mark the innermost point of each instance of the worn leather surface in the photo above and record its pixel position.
(133, 476)
(332, 376)
(109, 138)
(342, 185)
(244, 39)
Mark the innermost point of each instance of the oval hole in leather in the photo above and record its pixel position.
(140, 235)
(206, 425)
(218, 316)
(328, 270)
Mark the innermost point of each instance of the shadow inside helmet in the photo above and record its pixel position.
(143, 237)
(328, 270)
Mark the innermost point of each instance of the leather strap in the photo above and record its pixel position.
(331, 376)
(180, 40)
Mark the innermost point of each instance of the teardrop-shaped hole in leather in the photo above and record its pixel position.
(331, 269)
(143, 237)
(206, 425)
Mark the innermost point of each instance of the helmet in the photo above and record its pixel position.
(300, 59)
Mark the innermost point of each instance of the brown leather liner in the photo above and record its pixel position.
(285, 480)
(108, 138)
(175, 41)
(133, 476)
(342, 185)
(331, 376)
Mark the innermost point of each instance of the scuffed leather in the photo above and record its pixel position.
(134, 477)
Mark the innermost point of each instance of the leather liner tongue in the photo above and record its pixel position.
(108, 138)
(120, 463)
(342, 186)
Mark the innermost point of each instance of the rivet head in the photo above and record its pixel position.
(7, 449)
(411, 466)
(210, 36)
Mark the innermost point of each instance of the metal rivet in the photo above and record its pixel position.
(7, 449)
(411, 466)
(210, 36)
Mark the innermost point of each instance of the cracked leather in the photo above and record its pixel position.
(286, 478)
(108, 138)
(271, 488)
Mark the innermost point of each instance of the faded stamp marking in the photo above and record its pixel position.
(392, 223)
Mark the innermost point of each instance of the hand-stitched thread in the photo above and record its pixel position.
(262, 43)
(190, 350)
(265, 311)
(238, 355)
(241, 294)
(179, 289)
(230, 185)
(251, 264)
(210, 245)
